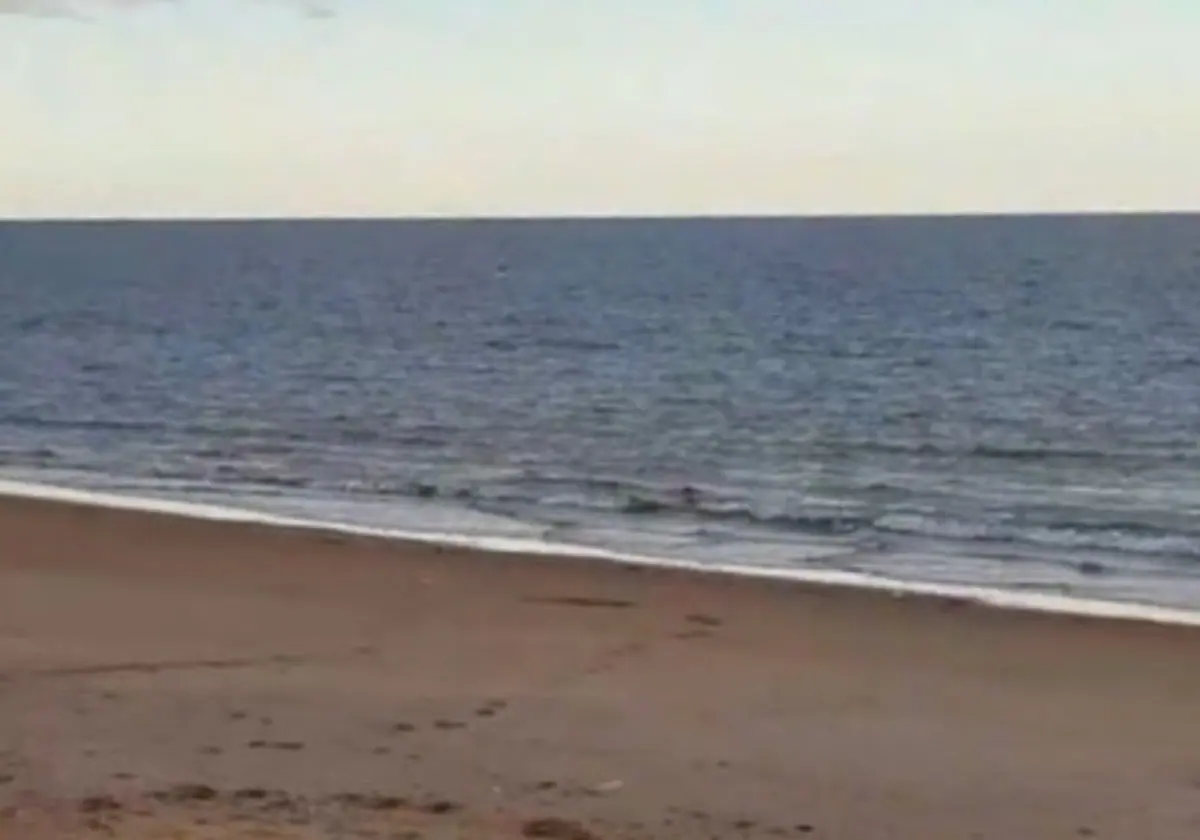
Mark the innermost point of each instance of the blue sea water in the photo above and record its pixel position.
(1006, 402)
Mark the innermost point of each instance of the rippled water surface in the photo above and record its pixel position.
(1011, 402)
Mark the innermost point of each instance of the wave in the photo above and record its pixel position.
(236, 462)
(605, 495)
(244, 437)
(1117, 537)
(1158, 451)
(345, 429)
(864, 524)
(28, 455)
(1125, 537)
(814, 518)
(147, 427)
(586, 345)
(29, 421)
(818, 524)
(582, 345)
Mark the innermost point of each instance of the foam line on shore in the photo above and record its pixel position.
(999, 598)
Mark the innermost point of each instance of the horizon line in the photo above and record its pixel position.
(591, 217)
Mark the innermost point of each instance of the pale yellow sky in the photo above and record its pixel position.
(542, 107)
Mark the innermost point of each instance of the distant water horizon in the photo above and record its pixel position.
(1006, 401)
(596, 217)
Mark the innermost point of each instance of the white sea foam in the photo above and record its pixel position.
(1028, 601)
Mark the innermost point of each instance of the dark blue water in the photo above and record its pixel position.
(1011, 402)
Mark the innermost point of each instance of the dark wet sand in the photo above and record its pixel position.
(167, 678)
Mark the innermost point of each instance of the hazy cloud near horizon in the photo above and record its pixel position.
(536, 107)
(83, 9)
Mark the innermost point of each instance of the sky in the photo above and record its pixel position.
(147, 108)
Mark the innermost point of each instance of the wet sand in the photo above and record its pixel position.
(163, 677)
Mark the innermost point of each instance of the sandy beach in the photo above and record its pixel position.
(169, 678)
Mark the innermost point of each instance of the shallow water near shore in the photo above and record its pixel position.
(325, 520)
(983, 403)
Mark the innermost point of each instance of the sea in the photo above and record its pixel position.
(1005, 404)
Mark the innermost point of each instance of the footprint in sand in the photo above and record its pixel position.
(491, 708)
(291, 746)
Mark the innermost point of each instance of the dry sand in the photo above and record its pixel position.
(161, 677)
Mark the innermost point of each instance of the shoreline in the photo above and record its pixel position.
(990, 597)
(164, 676)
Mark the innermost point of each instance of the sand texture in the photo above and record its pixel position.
(169, 678)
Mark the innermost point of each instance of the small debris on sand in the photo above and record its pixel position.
(556, 828)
